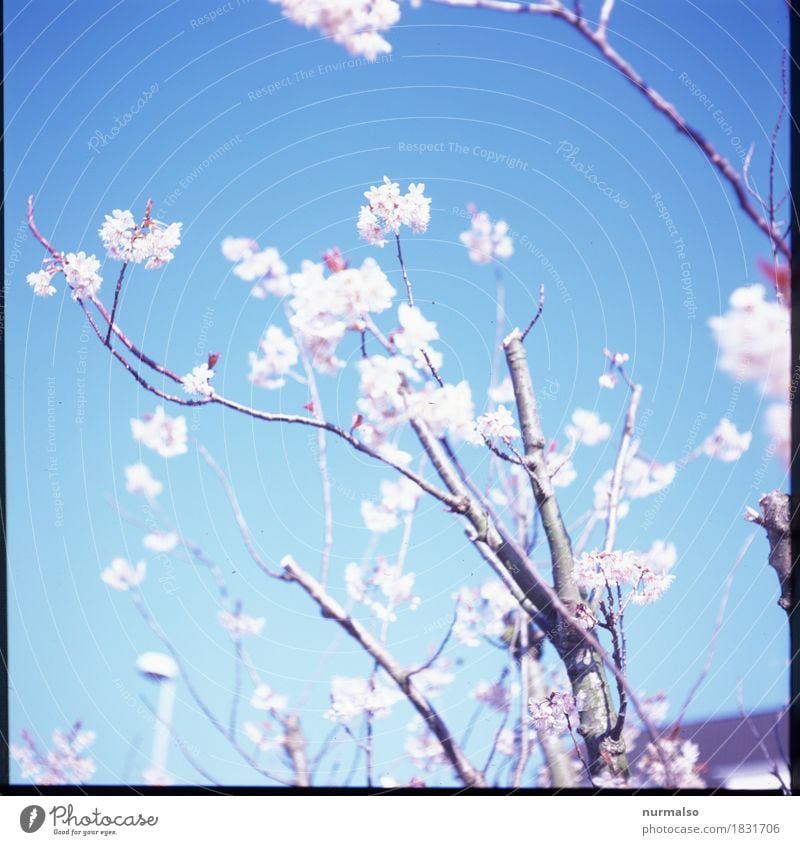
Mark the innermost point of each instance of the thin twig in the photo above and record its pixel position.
(405, 274)
(536, 315)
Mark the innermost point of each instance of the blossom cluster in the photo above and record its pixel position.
(755, 345)
(487, 240)
(388, 580)
(485, 611)
(598, 570)
(397, 497)
(66, 763)
(557, 713)
(387, 210)
(354, 697)
(355, 24)
(277, 354)
(239, 625)
(152, 243)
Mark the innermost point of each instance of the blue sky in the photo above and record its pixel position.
(253, 126)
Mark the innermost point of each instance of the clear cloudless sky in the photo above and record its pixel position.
(254, 126)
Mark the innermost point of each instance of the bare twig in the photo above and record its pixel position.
(405, 274)
(712, 645)
(722, 165)
(536, 315)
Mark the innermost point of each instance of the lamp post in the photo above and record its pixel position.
(162, 669)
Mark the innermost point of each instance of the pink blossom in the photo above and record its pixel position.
(66, 763)
(682, 771)
(157, 777)
(485, 611)
(355, 24)
(595, 570)
(495, 696)
(423, 748)
(557, 713)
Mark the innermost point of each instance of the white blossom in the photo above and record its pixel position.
(415, 335)
(152, 243)
(265, 698)
(355, 24)
(447, 410)
(238, 625)
(277, 354)
(377, 518)
(157, 777)
(66, 763)
(139, 479)
(82, 276)
(120, 575)
(561, 469)
(198, 381)
(586, 428)
(161, 542)
(486, 240)
(777, 419)
(725, 443)
(499, 423)
(168, 436)
(387, 210)
(260, 736)
(754, 340)
(41, 282)
(354, 697)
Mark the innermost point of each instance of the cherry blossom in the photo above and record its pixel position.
(355, 24)
(238, 625)
(120, 575)
(41, 282)
(486, 240)
(152, 243)
(485, 611)
(396, 496)
(388, 210)
(499, 423)
(496, 695)
(162, 543)
(198, 381)
(557, 713)
(81, 274)
(777, 419)
(265, 698)
(683, 769)
(168, 436)
(446, 410)
(277, 354)
(377, 518)
(586, 428)
(422, 747)
(608, 380)
(260, 736)
(380, 386)
(725, 443)
(354, 697)
(754, 340)
(661, 556)
(597, 570)
(139, 479)
(388, 580)
(66, 763)
(432, 681)
(415, 335)
(263, 267)
(506, 744)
